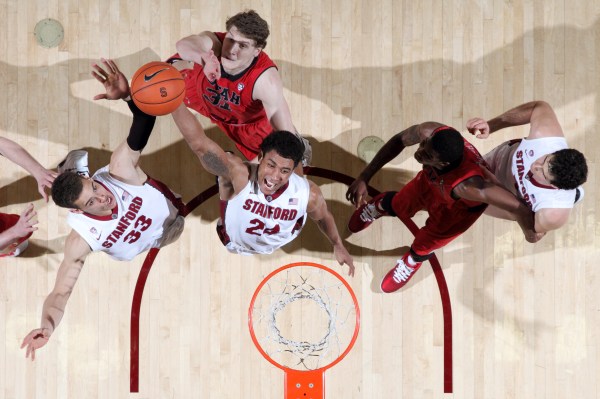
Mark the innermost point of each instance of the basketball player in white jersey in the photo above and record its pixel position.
(264, 205)
(540, 169)
(119, 210)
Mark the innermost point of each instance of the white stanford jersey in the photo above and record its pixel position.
(520, 180)
(145, 217)
(259, 224)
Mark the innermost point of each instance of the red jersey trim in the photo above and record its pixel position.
(277, 193)
(537, 183)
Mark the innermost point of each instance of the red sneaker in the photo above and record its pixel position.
(399, 275)
(366, 214)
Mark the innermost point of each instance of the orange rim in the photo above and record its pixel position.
(259, 288)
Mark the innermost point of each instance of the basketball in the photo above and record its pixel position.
(157, 88)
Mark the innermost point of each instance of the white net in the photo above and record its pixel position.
(304, 317)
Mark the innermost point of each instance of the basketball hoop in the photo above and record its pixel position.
(304, 319)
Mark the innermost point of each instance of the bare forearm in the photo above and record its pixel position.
(20, 156)
(193, 47)
(53, 311)
(7, 237)
(212, 157)
(389, 151)
(329, 229)
(517, 116)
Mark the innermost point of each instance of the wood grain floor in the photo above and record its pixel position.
(526, 318)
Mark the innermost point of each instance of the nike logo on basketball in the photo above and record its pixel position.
(149, 77)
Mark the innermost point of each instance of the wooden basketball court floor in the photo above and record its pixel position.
(525, 318)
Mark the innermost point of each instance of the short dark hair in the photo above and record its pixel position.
(251, 25)
(285, 143)
(568, 169)
(448, 144)
(66, 189)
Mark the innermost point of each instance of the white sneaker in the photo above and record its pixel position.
(15, 249)
(76, 161)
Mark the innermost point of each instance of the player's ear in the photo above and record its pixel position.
(75, 210)
(260, 156)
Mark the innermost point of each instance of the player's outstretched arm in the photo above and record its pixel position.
(193, 47)
(269, 90)
(539, 114)
(21, 157)
(76, 250)
(317, 210)
(203, 49)
(357, 192)
(211, 155)
(124, 160)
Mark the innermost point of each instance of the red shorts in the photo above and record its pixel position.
(446, 221)
(247, 137)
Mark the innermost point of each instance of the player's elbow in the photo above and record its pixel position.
(550, 219)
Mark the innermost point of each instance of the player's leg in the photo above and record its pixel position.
(442, 227)
(402, 204)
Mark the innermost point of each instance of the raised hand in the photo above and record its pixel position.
(35, 340)
(479, 128)
(25, 224)
(112, 78)
(45, 178)
(343, 257)
(212, 66)
(357, 192)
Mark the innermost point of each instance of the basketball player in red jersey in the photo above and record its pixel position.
(119, 210)
(265, 205)
(232, 81)
(451, 187)
(16, 229)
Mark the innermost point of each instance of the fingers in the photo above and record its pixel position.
(109, 64)
(27, 210)
(99, 73)
(351, 270)
(474, 122)
(99, 78)
(355, 197)
(102, 74)
(25, 341)
(478, 127)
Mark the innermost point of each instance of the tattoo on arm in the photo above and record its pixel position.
(214, 164)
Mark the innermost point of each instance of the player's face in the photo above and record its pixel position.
(426, 155)
(95, 199)
(541, 169)
(237, 51)
(274, 171)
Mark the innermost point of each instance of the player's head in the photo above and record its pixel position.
(567, 169)
(246, 36)
(250, 25)
(82, 194)
(442, 149)
(280, 153)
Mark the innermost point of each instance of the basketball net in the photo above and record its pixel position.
(304, 318)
